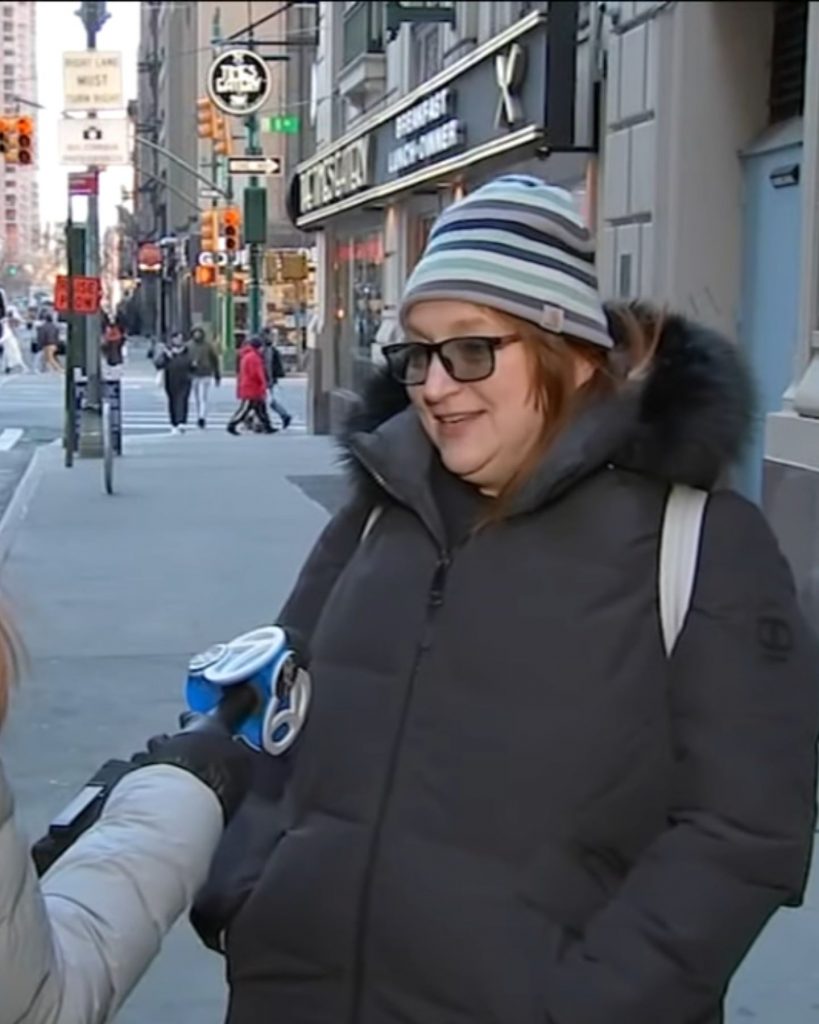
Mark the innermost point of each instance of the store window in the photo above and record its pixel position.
(358, 273)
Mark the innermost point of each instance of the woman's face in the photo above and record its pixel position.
(483, 430)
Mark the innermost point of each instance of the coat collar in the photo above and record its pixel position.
(685, 421)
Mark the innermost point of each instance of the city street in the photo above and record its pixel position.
(580, 243)
(31, 413)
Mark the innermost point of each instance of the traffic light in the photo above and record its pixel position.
(205, 119)
(25, 141)
(221, 136)
(230, 220)
(209, 230)
(6, 127)
(11, 150)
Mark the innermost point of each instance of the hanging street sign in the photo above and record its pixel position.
(92, 80)
(209, 193)
(268, 165)
(98, 143)
(282, 124)
(239, 82)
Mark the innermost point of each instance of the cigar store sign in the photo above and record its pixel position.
(336, 176)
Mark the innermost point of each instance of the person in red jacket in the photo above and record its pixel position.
(251, 388)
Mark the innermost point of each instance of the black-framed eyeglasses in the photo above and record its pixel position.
(465, 359)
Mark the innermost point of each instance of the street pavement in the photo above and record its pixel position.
(32, 405)
(203, 540)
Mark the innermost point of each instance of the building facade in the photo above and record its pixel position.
(710, 203)
(409, 114)
(21, 214)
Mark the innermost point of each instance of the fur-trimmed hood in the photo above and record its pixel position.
(685, 421)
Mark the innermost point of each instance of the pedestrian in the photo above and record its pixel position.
(206, 369)
(511, 802)
(48, 342)
(175, 363)
(113, 341)
(251, 389)
(73, 945)
(274, 367)
(12, 357)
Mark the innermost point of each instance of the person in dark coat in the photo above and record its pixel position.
(274, 368)
(507, 802)
(251, 389)
(177, 365)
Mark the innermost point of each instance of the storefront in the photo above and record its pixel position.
(507, 105)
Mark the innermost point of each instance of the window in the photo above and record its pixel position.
(427, 52)
(786, 95)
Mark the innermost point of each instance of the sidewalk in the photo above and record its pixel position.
(202, 541)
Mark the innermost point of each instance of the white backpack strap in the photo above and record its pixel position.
(369, 524)
(679, 553)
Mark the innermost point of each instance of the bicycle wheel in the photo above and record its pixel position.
(107, 448)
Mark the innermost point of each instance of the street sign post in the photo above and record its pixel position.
(92, 80)
(83, 183)
(97, 143)
(239, 82)
(267, 165)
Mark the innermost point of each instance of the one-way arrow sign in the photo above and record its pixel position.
(254, 165)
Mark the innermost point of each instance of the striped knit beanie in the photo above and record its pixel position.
(518, 245)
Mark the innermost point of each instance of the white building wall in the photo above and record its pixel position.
(686, 91)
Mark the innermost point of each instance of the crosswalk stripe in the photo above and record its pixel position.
(9, 438)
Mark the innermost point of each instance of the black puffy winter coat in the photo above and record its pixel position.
(507, 805)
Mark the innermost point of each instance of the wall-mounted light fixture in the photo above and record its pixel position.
(785, 176)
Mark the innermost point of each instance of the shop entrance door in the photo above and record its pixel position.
(769, 306)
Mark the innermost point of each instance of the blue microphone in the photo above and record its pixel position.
(265, 661)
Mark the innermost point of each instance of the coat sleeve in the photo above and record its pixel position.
(81, 940)
(744, 711)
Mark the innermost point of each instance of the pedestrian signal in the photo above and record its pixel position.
(209, 230)
(221, 136)
(25, 140)
(205, 276)
(205, 119)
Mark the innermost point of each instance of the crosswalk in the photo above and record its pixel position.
(31, 409)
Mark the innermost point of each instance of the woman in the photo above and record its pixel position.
(176, 364)
(251, 389)
(508, 804)
(13, 361)
(73, 946)
(206, 368)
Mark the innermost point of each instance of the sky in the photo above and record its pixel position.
(59, 29)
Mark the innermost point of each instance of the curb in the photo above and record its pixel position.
(17, 509)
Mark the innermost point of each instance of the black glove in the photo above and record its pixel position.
(213, 757)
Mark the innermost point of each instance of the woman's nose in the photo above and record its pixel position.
(438, 384)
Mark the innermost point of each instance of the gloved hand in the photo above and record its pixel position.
(216, 759)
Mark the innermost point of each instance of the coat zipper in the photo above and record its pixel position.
(434, 601)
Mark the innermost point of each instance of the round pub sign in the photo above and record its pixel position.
(238, 82)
